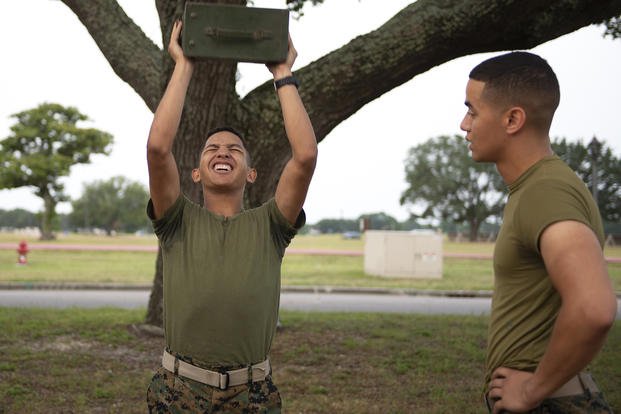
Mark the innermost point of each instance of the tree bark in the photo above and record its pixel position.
(424, 34)
(49, 211)
(474, 230)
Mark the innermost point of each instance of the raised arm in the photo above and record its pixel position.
(164, 183)
(297, 174)
(576, 265)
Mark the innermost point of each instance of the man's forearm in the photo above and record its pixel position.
(576, 267)
(298, 126)
(575, 340)
(168, 114)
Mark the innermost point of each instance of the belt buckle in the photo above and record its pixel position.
(223, 381)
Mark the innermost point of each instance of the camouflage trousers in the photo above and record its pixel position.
(170, 393)
(591, 403)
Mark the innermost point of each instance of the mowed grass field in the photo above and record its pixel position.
(133, 268)
(93, 361)
(137, 268)
(96, 361)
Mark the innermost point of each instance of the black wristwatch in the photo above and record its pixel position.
(288, 80)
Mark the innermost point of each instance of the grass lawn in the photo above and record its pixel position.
(91, 361)
(298, 270)
(74, 238)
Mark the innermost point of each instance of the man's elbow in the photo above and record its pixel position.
(609, 319)
(601, 316)
(157, 150)
(307, 159)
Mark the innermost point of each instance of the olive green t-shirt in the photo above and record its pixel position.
(525, 303)
(222, 280)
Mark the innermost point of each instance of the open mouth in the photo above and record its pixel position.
(220, 167)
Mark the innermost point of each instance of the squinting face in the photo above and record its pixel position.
(483, 125)
(223, 162)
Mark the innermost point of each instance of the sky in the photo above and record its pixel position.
(48, 56)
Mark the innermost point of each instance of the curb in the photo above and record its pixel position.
(388, 291)
(288, 289)
(70, 286)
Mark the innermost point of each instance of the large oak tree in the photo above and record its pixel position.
(447, 184)
(424, 34)
(44, 144)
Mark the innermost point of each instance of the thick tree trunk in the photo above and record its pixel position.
(424, 34)
(47, 217)
(474, 230)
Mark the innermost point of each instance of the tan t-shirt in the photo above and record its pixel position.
(222, 280)
(525, 303)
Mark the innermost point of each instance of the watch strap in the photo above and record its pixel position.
(287, 80)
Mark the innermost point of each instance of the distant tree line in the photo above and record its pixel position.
(370, 221)
(114, 205)
(449, 191)
(445, 185)
(446, 188)
(18, 219)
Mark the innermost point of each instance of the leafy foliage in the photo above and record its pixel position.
(448, 185)
(613, 28)
(607, 169)
(117, 204)
(297, 6)
(45, 142)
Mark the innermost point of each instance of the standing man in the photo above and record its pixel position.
(553, 301)
(221, 263)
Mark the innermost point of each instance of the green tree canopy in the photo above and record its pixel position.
(446, 184)
(599, 168)
(613, 28)
(44, 143)
(116, 204)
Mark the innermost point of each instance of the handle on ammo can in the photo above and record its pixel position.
(237, 34)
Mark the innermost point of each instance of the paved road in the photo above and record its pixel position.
(343, 302)
(304, 301)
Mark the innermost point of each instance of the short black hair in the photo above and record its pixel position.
(524, 79)
(234, 132)
(225, 128)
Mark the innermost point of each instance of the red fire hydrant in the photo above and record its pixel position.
(22, 251)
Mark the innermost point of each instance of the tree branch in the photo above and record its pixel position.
(131, 54)
(431, 32)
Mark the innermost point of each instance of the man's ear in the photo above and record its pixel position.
(196, 175)
(515, 118)
(251, 176)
